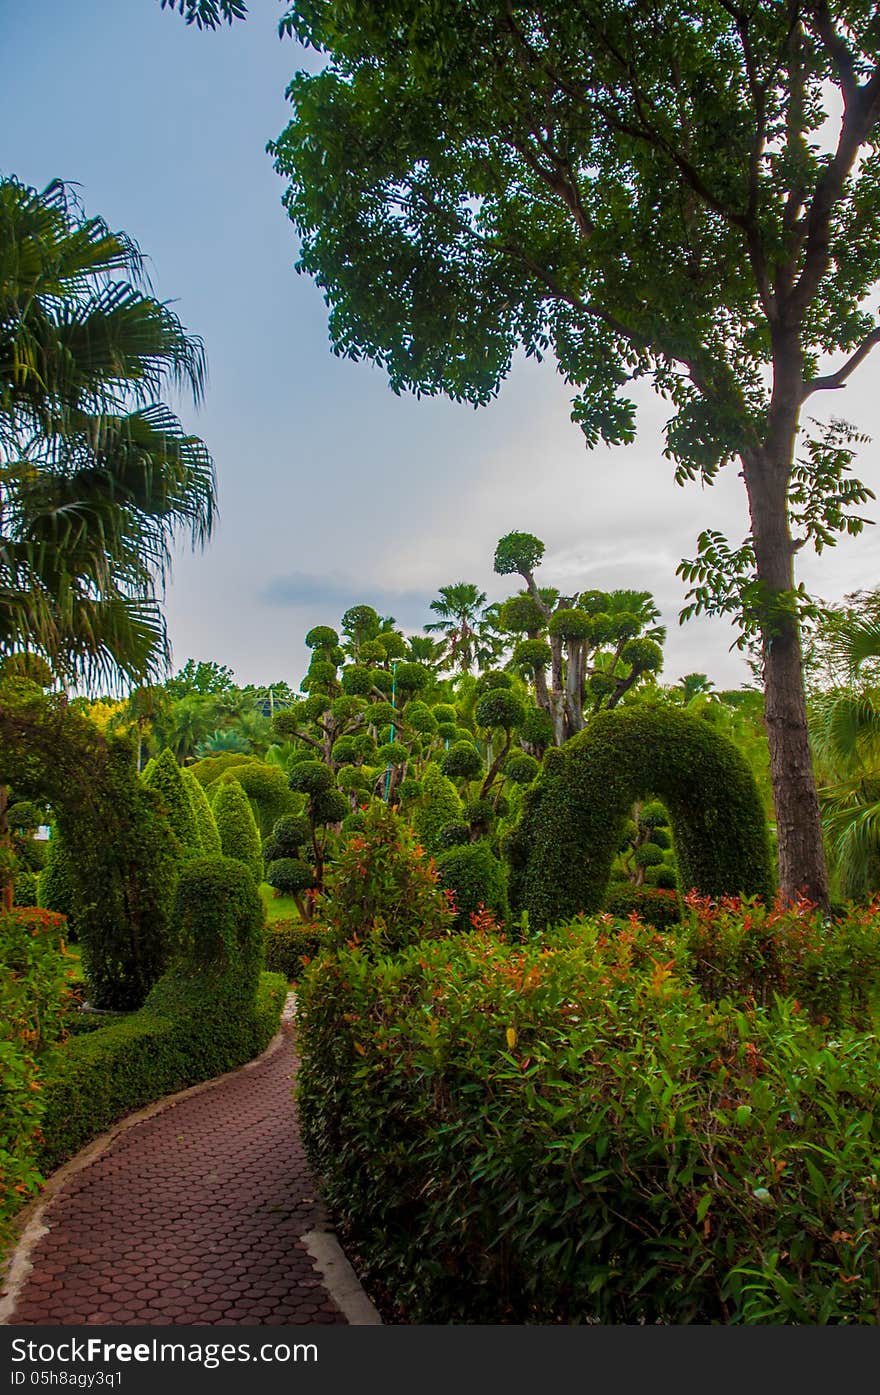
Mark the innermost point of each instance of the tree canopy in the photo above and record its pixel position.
(646, 191)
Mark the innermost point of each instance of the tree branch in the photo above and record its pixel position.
(838, 379)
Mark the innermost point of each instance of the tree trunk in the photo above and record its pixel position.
(802, 869)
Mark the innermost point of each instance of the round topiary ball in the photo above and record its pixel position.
(454, 835)
(412, 678)
(522, 615)
(372, 651)
(536, 727)
(343, 751)
(531, 654)
(445, 712)
(290, 875)
(521, 768)
(447, 731)
(648, 855)
(461, 762)
(321, 637)
(499, 708)
(409, 789)
(570, 624)
(420, 718)
(643, 655)
(330, 806)
(357, 680)
(310, 777)
(392, 753)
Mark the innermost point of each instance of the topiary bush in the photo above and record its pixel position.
(476, 879)
(165, 780)
(289, 948)
(206, 824)
(236, 825)
(574, 814)
(438, 807)
(209, 1013)
(121, 855)
(567, 1132)
(267, 789)
(653, 905)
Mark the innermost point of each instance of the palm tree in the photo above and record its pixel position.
(845, 728)
(459, 608)
(97, 475)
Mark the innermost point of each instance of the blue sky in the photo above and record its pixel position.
(333, 490)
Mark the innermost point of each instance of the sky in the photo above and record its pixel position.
(332, 490)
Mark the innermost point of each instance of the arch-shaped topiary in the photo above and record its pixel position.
(562, 850)
(120, 852)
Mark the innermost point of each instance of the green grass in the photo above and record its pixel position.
(278, 907)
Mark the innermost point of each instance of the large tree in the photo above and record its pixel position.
(644, 189)
(97, 475)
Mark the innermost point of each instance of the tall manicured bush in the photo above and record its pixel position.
(120, 850)
(210, 1012)
(206, 825)
(56, 884)
(568, 1132)
(34, 997)
(239, 835)
(438, 806)
(165, 780)
(267, 789)
(575, 813)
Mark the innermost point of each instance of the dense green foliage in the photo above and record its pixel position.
(383, 893)
(98, 475)
(239, 835)
(562, 851)
(163, 777)
(655, 906)
(206, 824)
(120, 853)
(476, 879)
(569, 1132)
(210, 1012)
(289, 947)
(34, 994)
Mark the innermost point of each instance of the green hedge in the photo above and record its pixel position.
(476, 879)
(575, 814)
(568, 1132)
(210, 1012)
(289, 947)
(653, 905)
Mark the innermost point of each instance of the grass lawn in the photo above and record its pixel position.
(278, 907)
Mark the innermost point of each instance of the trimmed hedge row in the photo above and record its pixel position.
(568, 1132)
(653, 905)
(210, 1012)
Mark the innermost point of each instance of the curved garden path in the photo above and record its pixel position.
(199, 1210)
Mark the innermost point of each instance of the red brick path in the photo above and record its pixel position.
(191, 1216)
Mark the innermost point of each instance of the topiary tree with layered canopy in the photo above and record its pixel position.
(575, 814)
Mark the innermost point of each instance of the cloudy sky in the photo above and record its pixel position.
(333, 490)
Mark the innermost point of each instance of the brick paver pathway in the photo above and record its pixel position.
(194, 1215)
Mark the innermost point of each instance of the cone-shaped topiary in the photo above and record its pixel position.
(239, 835)
(166, 781)
(206, 824)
